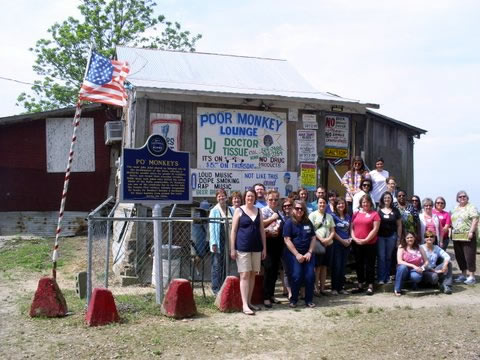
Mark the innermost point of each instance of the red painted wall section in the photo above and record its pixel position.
(25, 184)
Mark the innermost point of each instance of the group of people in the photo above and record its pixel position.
(393, 238)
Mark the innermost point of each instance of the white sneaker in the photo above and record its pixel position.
(470, 281)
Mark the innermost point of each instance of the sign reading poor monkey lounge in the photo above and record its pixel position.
(241, 140)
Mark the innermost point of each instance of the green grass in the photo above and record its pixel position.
(353, 312)
(32, 255)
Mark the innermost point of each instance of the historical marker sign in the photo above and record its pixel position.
(155, 174)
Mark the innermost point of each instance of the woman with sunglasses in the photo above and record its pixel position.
(324, 227)
(341, 246)
(352, 180)
(300, 238)
(389, 232)
(465, 222)
(365, 225)
(365, 189)
(416, 203)
(445, 221)
(273, 224)
(412, 262)
(428, 220)
(248, 246)
(441, 273)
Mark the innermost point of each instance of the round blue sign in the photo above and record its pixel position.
(157, 145)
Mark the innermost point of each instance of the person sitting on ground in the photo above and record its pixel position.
(300, 238)
(412, 262)
(436, 272)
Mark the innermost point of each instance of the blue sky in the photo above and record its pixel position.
(419, 60)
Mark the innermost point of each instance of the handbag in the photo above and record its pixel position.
(460, 236)
(319, 249)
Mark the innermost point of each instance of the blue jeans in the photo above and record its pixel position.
(432, 278)
(405, 273)
(218, 271)
(299, 274)
(385, 246)
(339, 263)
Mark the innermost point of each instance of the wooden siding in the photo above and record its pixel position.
(42, 223)
(25, 184)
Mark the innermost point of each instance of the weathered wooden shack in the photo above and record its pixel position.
(33, 156)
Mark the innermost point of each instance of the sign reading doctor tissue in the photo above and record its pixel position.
(241, 140)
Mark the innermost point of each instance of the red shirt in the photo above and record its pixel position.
(362, 224)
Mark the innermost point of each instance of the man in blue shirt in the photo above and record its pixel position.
(260, 191)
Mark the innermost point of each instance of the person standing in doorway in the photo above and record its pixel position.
(353, 178)
(379, 180)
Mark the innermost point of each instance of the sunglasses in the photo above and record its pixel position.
(400, 195)
(298, 209)
(365, 184)
(288, 205)
(429, 237)
(415, 200)
(462, 196)
(427, 205)
(440, 203)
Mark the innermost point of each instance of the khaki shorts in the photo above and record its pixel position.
(248, 261)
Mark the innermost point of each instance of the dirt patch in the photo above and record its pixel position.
(343, 327)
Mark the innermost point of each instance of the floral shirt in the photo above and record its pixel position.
(274, 227)
(462, 218)
(409, 218)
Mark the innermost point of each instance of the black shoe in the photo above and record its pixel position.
(268, 305)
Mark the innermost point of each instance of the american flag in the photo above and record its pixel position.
(104, 81)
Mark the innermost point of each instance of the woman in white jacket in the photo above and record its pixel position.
(428, 220)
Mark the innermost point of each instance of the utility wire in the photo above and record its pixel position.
(17, 81)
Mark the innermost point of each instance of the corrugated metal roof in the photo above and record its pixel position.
(194, 72)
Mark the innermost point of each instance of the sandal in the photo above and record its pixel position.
(253, 307)
(317, 293)
(397, 293)
(248, 312)
(310, 305)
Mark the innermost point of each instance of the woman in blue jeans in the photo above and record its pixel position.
(388, 235)
(412, 262)
(341, 246)
(300, 238)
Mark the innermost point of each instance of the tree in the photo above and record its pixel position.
(62, 60)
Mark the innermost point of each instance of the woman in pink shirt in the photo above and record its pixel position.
(429, 221)
(445, 221)
(365, 225)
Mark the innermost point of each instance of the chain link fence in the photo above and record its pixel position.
(121, 252)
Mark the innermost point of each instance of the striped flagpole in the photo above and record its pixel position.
(76, 122)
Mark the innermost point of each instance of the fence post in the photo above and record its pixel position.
(89, 257)
(157, 244)
(107, 252)
(170, 243)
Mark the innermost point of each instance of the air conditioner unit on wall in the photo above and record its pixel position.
(113, 132)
